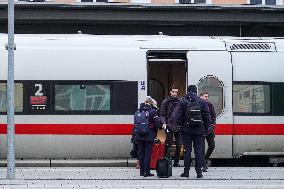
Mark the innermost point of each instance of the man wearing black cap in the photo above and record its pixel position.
(192, 114)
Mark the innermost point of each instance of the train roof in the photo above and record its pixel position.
(163, 42)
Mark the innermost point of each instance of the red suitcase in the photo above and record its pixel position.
(158, 152)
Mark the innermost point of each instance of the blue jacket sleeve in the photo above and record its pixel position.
(179, 113)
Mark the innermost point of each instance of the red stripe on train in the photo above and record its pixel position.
(249, 129)
(258, 129)
(71, 129)
(125, 129)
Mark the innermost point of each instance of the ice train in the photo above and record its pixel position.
(75, 94)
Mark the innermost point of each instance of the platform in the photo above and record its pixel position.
(128, 177)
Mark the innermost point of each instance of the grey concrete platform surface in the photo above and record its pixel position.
(125, 162)
(115, 177)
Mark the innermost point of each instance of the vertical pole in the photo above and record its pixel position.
(10, 95)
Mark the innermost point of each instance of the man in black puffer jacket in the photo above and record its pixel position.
(167, 120)
(192, 114)
(145, 141)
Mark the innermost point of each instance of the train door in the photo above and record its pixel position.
(258, 107)
(212, 72)
(166, 68)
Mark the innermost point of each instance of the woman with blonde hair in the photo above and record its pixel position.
(145, 141)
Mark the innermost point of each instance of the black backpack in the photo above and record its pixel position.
(141, 122)
(193, 114)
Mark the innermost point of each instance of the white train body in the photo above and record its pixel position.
(76, 94)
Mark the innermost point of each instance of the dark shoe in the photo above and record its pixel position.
(204, 169)
(148, 175)
(184, 175)
(199, 175)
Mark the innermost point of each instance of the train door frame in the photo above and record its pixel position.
(256, 133)
(168, 58)
(216, 65)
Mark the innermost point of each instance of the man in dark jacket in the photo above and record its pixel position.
(172, 130)
(210, 137)
(192, 114)
(145, 141)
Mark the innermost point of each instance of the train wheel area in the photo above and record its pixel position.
(249, 161)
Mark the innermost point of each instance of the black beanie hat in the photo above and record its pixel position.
(192, 88)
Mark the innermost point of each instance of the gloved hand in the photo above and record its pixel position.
(164, 126)
(210, 129)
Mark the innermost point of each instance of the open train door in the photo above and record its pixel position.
(165, 68)
(212, 72)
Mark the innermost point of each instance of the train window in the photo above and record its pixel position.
(18, 99)
(124, 97)
(255, 2)
(270, 2)
(199, 1)
(277, 99)
(214, 88)
(82, 97)
(251, 98)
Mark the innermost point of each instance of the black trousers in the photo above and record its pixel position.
(211, 145)
(210, 138)
(144, 153)
(169, 142)
(198, 143)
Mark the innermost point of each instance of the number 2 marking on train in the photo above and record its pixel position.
(39, 91)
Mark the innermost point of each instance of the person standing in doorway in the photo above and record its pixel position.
(167, 120)
(210, 136)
